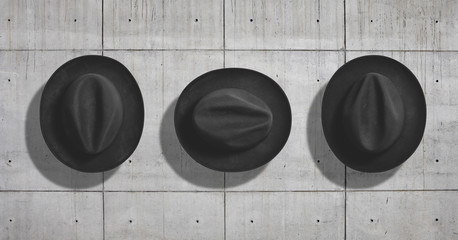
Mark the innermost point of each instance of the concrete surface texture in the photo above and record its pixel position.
(160, 192)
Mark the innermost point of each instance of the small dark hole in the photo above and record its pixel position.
(130, 161)
(130, 20)
(318, 161)
(251, 20)
(11, 220)
(130, 221)
(437, 160)
(76, 220)
(372, 21)
(437, 219)
(196, 20)
(251, 221)
(9, 80)
(372, 220)
(318, 220)
(9, 20)
(318, 20)
(318, 80)
(74, 20)
(437, 21)
(9, 161)
(197, 221)
(437, 80)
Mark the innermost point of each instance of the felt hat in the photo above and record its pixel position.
(91, 113)
(233, 119)
(373, 113)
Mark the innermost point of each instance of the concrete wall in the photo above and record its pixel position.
(160, 192)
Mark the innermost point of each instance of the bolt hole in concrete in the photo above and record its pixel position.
(372, 220)
(9, 161)
(9, 80)
(74, 20)
(130, 20)
(9, 20)
(318, 80)
(437, 219)
(318, 161)
(130, 161)
(197, 221)
(437, 80)
(437, 160)
(196, 20)
(130, 221)
(251, 20)
(251, 221)
(437, 21)
(318, 20)
(11, 220)
(318, 220)
(372, 20)
(76, 220)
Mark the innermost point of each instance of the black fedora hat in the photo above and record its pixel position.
(373, 113)
(91, 113)
(233, 119)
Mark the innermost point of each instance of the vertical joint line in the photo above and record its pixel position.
(102, 25)
(345, 30)
(345, 171)
(224, 205)
(224, 42)
(345, 205)
(103, 205)
(103, 173)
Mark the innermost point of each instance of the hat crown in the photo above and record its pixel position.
(92, 113)
(232, 119)
(373, 113)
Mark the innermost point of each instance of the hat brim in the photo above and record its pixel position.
(414, 105)
(255, 83)
(133, 116)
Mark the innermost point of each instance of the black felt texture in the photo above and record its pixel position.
(102, 154)
(92, 113)
(384, 153)
(233, 160)
(232, 119)
(373, 113)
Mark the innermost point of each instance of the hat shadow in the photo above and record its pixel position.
(199, 175)
(234, 179)
(44, 160)
(329, 160)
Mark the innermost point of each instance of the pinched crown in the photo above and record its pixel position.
(232, 119)
(373, 113)
(92, 113)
